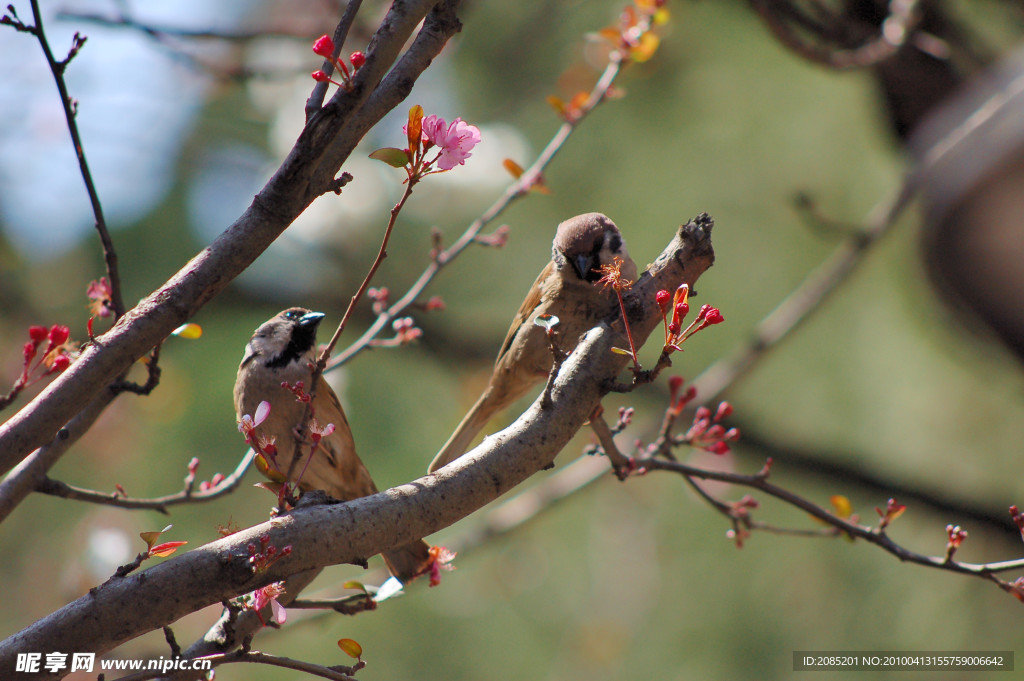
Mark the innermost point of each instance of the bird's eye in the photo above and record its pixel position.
(291, 314)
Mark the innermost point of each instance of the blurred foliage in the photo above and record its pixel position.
(622, 581)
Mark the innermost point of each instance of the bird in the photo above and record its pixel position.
(281, 350)
(567, 288)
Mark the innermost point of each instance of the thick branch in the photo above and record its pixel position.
(354, 531)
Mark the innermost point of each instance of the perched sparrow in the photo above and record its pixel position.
(567, 288)
(283, 349)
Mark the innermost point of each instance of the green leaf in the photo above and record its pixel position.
(396, 158)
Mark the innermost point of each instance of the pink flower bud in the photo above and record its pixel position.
(724, 410)
(193, 465)
(357, 59)
(324, 47)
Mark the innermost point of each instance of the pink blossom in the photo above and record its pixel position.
(455, 140)
(269, 594)
(440, 559)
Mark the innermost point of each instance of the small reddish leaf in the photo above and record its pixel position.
(513, 168)
(557, 104)
(396, 158)
(415, 127)
(350, 648)
(842, 505)
(620, 351)
(188, 331)
(166, 549)
(645, 50)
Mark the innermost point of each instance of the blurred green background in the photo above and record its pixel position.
(621, 581)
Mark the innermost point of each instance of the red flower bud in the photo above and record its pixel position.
(724, 410)
(321, 77)
(713, 316)
(715, 432)
(719, 448)
(357, 59)
(324, 47)
(60, 363)
(29, 352)
(663, 297)
(674, 384)
(59, 335)
(37, 334)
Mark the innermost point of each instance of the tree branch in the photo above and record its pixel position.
(351, 532)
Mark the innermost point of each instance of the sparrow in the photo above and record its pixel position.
(567, 288)
(283, 349)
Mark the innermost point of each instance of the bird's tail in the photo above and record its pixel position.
(409, 561)
(471, 424)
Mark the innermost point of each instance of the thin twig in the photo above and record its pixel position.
(57, 69)
(186, 496)
(873, 535)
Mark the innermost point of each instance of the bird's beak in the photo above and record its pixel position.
(583, 264)
(311, 320)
